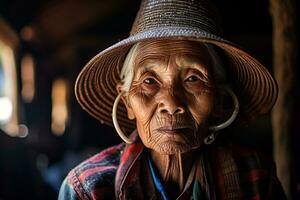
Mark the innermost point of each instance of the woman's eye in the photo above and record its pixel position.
(150, 81)
(192, 78)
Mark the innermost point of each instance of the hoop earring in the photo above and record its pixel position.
(209, 139)
(115, 120)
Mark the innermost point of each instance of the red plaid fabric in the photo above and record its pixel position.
(224, 172)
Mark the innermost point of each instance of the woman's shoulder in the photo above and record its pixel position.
(99, 163)
(246, 156)
(93, 176)
(254, 171)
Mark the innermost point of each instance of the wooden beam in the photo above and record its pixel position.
(62, 18)
(8, 35)
(285, 118)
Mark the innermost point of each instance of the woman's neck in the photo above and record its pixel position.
(174, 169)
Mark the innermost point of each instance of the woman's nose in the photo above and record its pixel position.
(171, 102)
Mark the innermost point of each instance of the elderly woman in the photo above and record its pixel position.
(177, 84)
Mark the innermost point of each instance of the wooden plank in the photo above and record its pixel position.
(284, 116)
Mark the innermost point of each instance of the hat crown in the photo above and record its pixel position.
(189, 14)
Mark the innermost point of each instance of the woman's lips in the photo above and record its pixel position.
(174, 130)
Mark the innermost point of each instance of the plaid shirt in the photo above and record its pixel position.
(224, 172)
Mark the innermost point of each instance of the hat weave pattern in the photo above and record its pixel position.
(193, 20)
(180, 13)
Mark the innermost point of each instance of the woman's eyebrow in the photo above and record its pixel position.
(148, 64)
(144, 69)
(193, 62)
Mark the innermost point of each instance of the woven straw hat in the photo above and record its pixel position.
(194, 20)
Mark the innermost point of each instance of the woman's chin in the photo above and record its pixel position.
(173, 147)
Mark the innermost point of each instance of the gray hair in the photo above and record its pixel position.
(127, 71)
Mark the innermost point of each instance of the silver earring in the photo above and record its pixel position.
(209, 139)
(115, 120)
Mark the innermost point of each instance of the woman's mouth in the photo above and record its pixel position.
(174, 130)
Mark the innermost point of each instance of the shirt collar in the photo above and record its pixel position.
(129, 167)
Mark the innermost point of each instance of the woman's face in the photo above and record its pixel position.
(172, 95)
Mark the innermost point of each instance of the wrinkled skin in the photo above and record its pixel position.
(172, 95)
(171, 98)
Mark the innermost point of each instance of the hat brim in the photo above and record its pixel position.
(95, 87)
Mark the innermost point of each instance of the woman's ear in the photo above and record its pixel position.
(129, 109)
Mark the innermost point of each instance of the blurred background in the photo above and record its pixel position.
(44, 45)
